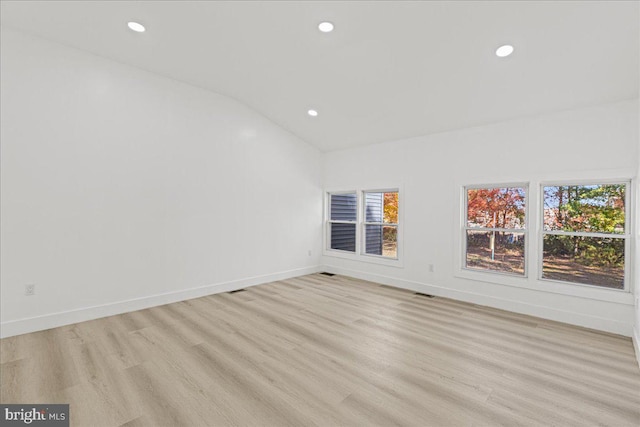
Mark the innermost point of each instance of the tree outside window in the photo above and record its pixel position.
(495, 229)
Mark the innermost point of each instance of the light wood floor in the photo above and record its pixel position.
(325, 351)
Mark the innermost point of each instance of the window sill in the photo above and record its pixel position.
(617, 296)
(372, 259)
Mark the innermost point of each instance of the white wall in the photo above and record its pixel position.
(123, 189)
(599, 142)
(636, 337)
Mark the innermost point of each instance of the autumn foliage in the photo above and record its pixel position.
(496, 208)
(391, 208)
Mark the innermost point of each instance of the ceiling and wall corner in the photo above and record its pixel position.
(388, 70)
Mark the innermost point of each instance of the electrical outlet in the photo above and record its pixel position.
(30, 289)
(309, 252)
(431, 268)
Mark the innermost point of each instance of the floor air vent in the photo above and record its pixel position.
(237, 290)
(424, 295)
(324, 273)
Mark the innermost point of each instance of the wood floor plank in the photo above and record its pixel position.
(325, 351)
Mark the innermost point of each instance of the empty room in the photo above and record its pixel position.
(319, 213)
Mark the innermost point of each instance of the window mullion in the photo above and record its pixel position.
(503, 230)
(584, 234)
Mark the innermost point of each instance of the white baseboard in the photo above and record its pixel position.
(53, 320)
(636, 342)
(549, 313)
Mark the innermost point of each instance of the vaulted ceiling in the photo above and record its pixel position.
(389, 70)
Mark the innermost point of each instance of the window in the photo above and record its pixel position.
(343, 216)
(585, 234)
(364, 225)
(495, 229)
(381, 223)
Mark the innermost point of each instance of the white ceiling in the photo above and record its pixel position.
(389, 70)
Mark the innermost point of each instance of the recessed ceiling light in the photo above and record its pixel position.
(312, 113)
(504, 50)
(325, 27)
(135, 26)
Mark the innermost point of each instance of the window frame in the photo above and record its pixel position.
(626, 236)
(358, 255)
(533, 283)
(525, 230)
(364, 223)
(330, 221)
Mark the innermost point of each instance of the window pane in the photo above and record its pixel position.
(391, 208)
(587, 260)
(381, 207)
(373, 207)
(343, 237)
(382, 240)
(344, 207)
(588, 208)
(495, 251)
(496, 207)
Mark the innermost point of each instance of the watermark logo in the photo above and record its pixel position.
(34, 415)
